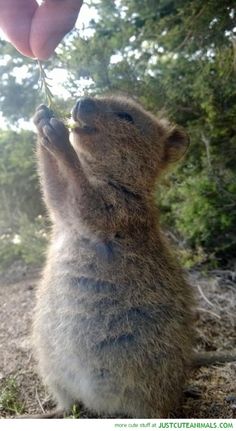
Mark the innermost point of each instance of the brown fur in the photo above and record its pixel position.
(112, 326)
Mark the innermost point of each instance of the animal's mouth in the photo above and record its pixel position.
(84, 129)
(79, 126)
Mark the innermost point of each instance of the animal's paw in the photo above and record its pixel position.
(51, 129)
(42, 117)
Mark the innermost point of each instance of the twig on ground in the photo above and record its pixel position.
(204, 296)
(39, 402)
(209, 311)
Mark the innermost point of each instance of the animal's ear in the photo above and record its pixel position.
(176, 145)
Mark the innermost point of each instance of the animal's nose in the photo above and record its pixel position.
(85, 106)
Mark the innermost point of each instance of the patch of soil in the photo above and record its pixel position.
(213, 388)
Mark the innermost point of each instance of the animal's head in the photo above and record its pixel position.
(116, 139)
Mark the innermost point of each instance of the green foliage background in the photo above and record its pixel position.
(176, 56)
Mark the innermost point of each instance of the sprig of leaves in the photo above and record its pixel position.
(45, 86)
(48, 96)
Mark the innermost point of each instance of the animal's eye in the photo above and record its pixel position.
(125, 116)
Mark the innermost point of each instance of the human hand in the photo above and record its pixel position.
(36, 30)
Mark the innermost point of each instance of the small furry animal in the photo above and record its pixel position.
(113, 321)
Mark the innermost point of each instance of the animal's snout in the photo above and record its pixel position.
(85, 106)
(84, 109)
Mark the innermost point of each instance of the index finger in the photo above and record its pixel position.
(52, 20)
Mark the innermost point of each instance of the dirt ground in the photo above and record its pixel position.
(213, 388)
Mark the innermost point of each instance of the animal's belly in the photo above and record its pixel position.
(97, 344)
(91, 351)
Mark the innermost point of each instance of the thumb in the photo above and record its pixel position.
(52, 20)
